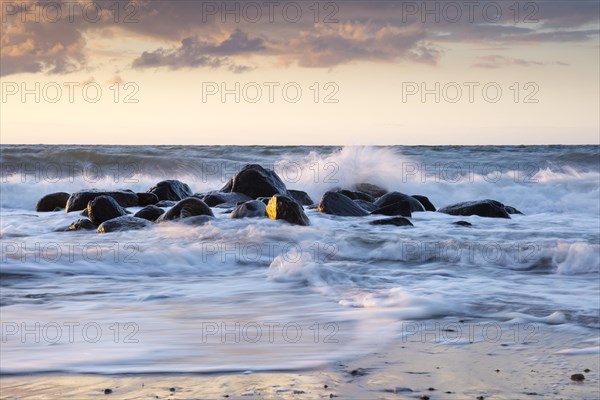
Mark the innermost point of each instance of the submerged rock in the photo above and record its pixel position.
(187, 208)
(301, 197)
(255, 181)
(394, 197)
(397, 221)
(171, 189)
(250, 209)
(79, 200)
(287, 209)
(335, 203)
(427, 204)
(123, 223)
(462, 223)
(166, 203)
(482, 208)
(369, 188)
(52, 201)
(104, 208)
(82, 224)
(150, 213)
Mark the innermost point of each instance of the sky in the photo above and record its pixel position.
(300, 72)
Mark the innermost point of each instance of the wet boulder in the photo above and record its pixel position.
(186, 208)
(427, 204)
(483, 208)
(123, 223)
(336, 203)
(79, 200)
(369, 188)
(104, 208)
(398, 208)
(396, 221)
(196, 220)
(255, 181)
(52, 201)
(365, 205)
(82, 224)
(145, 199)
(355, 195)
(171, 189)
(287, 209)
(250, 209)
(301, 197)
(150, 213)
(394, 197)
(512, 210)
(213, 199)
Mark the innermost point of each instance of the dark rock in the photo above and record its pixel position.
(51, 201)
(104, 208)
(482, 208)
(146, 199)
(84, 212)
(171, 189)
(512, 210)
(150, 213)
(83, 224)
(166, 203)
(250, 209)
(187, 208)
(427, 204)
(107, 391)
(213, 199)
(397, 221)
(264, 200)
(399, 208)
(124, 223)
(287, 209)
(365, 205)
(399, 389)
(358, 372)
(255, 181)
(394, 197)
(373, 190)
(301, 197)
(357, 195)
(462, 223)
(578, 377)
(79, 201)
(335, 203)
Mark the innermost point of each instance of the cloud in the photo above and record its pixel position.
(375, 31)
(497, 61)
(194, 53)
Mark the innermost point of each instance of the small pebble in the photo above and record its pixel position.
(497, 370)
(107, 391)
(586, 370)
(172, 389)
(577, 377)
(431, 389)
(480, 397)
(325, 386)
(423, 397)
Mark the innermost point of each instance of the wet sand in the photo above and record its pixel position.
(420, 366)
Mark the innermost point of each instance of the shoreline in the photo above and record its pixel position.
(407, 368)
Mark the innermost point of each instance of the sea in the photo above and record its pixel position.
(254, 294)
